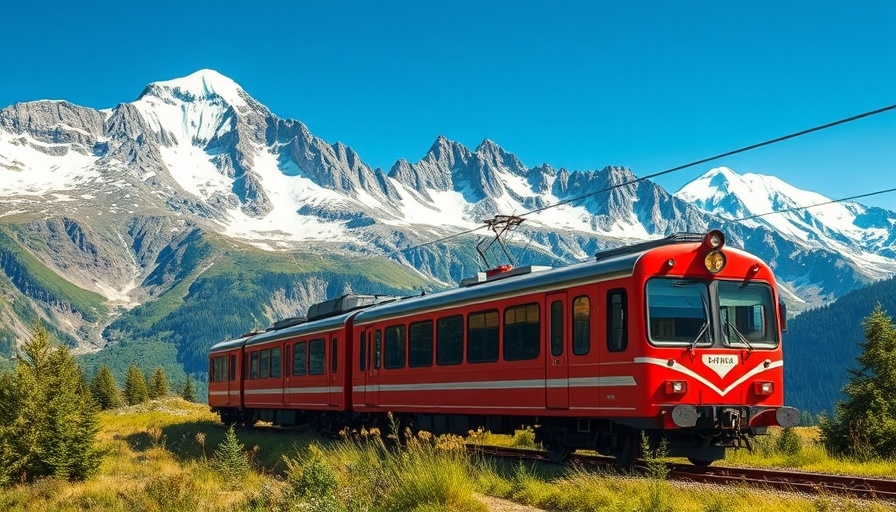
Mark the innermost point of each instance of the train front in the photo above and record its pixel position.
(712, 364)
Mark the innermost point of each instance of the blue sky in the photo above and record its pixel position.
(644, 84)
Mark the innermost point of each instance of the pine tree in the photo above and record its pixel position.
(135, 391)
(188, 392)
(865, 423)
(48, 416)
(158, 385)
(230, 458)
(105, 390)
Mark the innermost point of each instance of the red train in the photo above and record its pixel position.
(678, 338)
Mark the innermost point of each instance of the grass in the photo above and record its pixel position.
(806, 454)
(161, 457)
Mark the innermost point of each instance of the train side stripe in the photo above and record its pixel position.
(694, 375)
(584, 382)
(274, 391)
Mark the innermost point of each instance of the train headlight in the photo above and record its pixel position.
(764, 388)
(714, 261)
(714, 239)
(676, 387)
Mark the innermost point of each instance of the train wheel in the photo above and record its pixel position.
(628, 449)
(699, 462)
(557, 453)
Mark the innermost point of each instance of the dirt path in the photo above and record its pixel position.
(500, 505)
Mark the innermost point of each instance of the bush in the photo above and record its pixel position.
(789, 442)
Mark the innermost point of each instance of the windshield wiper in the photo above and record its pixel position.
(699, 335)
(739, 335)
(705, 322)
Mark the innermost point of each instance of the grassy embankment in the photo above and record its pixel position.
(161, 457)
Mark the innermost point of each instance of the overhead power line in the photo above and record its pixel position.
(797, 208)
(685, 166)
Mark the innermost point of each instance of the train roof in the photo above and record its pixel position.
(223, 346)
(539, 278)
(302, 329)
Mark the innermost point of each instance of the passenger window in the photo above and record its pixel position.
(316, 358)
(420, 344)
(276, 363)
(265, 364)
(450, 340)
(395, 346)
(299, 359)
(581, 325)
(253, 366)
(363, 351)
(522, 329)
(482, 337)
(557, 328)
(334, 360)
(617, 333)
(377, 349)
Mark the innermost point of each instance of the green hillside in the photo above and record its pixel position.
(28, 287)
(822, 344)
(229, 292)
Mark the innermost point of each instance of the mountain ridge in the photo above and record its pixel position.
(138, 202)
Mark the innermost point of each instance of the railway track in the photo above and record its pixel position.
(781, 480)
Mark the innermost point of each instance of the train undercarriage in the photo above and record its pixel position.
(625, 440)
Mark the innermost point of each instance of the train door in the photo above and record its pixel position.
(556, 351)
(233, 382)
(374, 360)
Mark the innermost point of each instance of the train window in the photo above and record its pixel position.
(482, 337)
(747, 314)
(219, 369)
(678, 311)
(253, 365)
(420, 344)
(276, 363)
(265, 364)
(334, 359)
(396, 346)
(363, 357)
(557, 328)
(581, 325)
(299, 359)
(450, 340)
(522, 328)
(316, 358)
(617, 329)
(377, 348)
(232, 367)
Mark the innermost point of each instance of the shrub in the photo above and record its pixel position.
(789, 442)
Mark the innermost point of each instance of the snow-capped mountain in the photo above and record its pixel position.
(113, 200)
(864, 235)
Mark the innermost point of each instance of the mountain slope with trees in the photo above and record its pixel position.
(823, 343)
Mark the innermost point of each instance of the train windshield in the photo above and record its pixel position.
(682, 312)
(747, 314)
(678, 311)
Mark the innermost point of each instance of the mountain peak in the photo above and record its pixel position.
(205, 83)
(489, 145)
